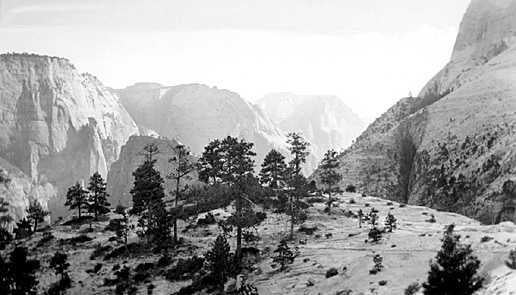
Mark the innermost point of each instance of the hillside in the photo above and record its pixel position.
(337, 242)
(452, 147)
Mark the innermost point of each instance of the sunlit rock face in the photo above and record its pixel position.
(195, 114)
(453, 146)
(325, 121)
(57, 125)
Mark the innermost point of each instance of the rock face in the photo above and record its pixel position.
(194, 114)
(452, 147)
(56, 125)
(120, 177)
(325, 121)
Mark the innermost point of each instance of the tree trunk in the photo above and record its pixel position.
(239, 226)
(291, 237)
(35, 225)
(175, 216)
(79, 212)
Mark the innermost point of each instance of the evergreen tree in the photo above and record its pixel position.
(237, 172)
(122, 225)
(36, 214)
(219, 260)
(360, 217)
(5, 217)
(454, 270)
(273, 170)
(183, 167)
(390, 222)
(284, 255)
(98, 203)
(59, 263)
(23, 229)
(148, 194)
(329, 175)
(22, 272)
(77, 198)
(5, 277)
(210, 163)
(374, 234)
(298, 148)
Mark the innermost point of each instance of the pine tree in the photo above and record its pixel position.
(237, 169)
(97, 201)
(298, 148)
(122, 225)
(60, 265)
(5, 277)
(23, 229)
(5, 218)
(378, 264)
(22, 272)
(77, 198)
(330, 175)
(390, 222)
(148, 194)
(284, 255)
(454, 270)
(36, 214)
(374, 233)
(273, 170)
(360, 217)
(183, 167)
(210, 163)
(219, 260)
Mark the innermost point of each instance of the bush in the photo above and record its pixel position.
(331, 272)
(5, 238)
(412, 289)
(185, 268)
(351, 189)
(206, 220)
(486, 239)
(100, 251)
(76, 240)
(511, 263)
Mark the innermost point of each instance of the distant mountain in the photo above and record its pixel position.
(195, 114)
(325, 121)
(453, 146)
(57, 126)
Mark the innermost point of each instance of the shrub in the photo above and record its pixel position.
(99, 251)
(412, 289)
(331, 272)
(185, 268)
(511, 263)
(76, 240)
(351, 189)
(486, 239)
(206, 220)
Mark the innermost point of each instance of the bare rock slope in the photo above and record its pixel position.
(57, 125)
(325, 121)
(452, 147)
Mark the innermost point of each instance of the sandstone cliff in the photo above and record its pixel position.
(452, 147)
(57, 125)
(325, 121)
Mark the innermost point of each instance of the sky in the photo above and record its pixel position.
(370, 53)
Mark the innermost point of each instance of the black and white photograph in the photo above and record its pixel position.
(258, 147)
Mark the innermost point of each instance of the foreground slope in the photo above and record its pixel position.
(336, 242)
(452, 147)
(325, 121)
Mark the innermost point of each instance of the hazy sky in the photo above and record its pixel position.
(368, 52)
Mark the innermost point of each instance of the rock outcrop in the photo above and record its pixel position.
(194, 114)
(120, 177)
(325, 121)
(57, 125)
(452, 147)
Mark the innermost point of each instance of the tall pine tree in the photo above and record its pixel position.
(183, 167)
(298, 148)
(77, 198)
(98, 203)
(210, 163)
(454, 270)
(329, 175)
(273, 170)
(148, 194)
(219, 261)
(36, 214)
